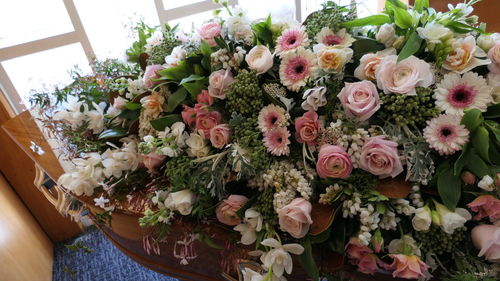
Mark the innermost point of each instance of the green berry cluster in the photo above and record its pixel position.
(409, 110)
(179, 171)
(332, 14)
(249, 136)
(160, 51)
(245, 95)
(264, 206)
(437, 241)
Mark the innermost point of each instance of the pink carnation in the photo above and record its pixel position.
(150, 74)
(380, 157)
(307, 128)
(209, 31)
(333, 162)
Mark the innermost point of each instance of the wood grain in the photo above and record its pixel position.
(17, 164)
(25, 250)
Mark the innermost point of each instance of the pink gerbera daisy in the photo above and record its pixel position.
(445, 134)
(277, 141)
(296, 68)
(455, 93)
(328, 38)
(272, 116)
(291, 39)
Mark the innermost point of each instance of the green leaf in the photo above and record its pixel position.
(113, 133)
(364, 45)
(205, 239)
(396, 3)
(477, 166)
(195, 87)
(175, 99)
(411, 46)
(191, 78)
(321, 237)
(221, 43)
(177, 73)
(205, 49)
(481, 142)
(337, 237)
(132, 105)
(166, 121)
(449, 188)
(307, 261)
(493, 128)
(462, 160)
(421, 4)
(370, 20)
(493, 111)
(461, 27)
(402, 18)
(472, 119)
(130, 114)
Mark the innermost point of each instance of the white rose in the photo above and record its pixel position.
(178, 54)
(433, 32)
(452, 220)
(386, 35)
(314, 98)
(259, 59)
(422, 219)
(486, 183)
(181, 201)
(178, 128)
(197, 145)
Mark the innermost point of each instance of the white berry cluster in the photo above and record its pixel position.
(389, 221)
(226, 60)
(416, 197)
(402, 206)
(330, 193)
(369, 219)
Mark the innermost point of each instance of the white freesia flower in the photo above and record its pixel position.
(250, 275)
(86, 175)
(119, 160)
(252, 223)
(486, 183)
(386, 35)
(96, 118)
(396, 246)
(465, 9)
(452, 220)
(314, 98)
(197, 145)
(422, 219)
(72, 114)
(135, 87)
(178, 54)
(433, 32)
(279, 258)
(159, 198)
(181, 201)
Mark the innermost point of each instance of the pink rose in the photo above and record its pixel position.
(468, 178)
(356, 250)
(226, 210)
(189, 115)
(204, 98)
(408, 267)
(380, 157)
(369, 63)
(150, 74)
(487, 239)
(220, 135)
(485, 206)
(307, 128)
(219, 82)
(152, 160)
(494, 56)
(209, 31)
(295, 218)
(206, 120)
(369, 264)
(333, 162)
(360, 99)
(403, 77)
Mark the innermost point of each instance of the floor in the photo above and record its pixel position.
(101, 262)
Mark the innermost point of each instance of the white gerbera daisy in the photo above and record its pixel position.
(445, 134)
(328, 38)
(296, 68)
(455, 93)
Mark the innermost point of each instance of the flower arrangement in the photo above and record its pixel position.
(386, 124)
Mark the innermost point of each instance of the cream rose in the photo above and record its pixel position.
(463, 56)
(422, 219)
(369, 63)
(332, 58)
(259, 59)
(197, 146)
(295, 218)
(386, 35)
(220, 135)
(494, 56)
(181, 201)
(403, 77)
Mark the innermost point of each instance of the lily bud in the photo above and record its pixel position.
(436, 218)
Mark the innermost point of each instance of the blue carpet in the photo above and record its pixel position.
(104, 263)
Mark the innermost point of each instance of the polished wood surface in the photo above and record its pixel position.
(17, 163)
(25, 249)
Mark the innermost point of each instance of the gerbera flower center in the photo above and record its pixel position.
(462, 95)
(332, 40)
(297, 69)
(446, 133)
